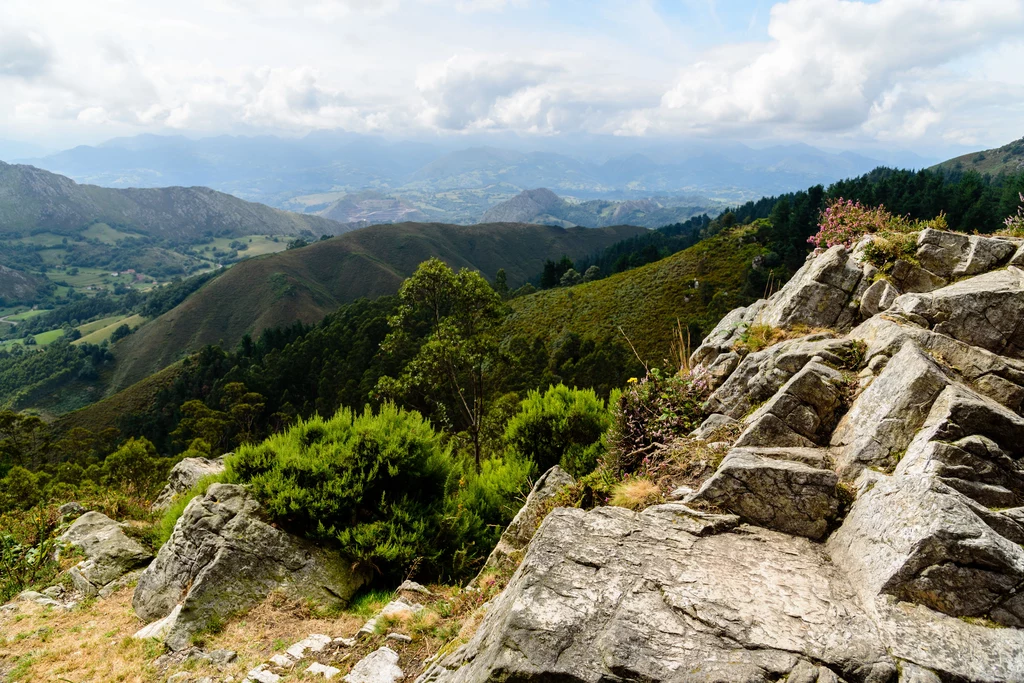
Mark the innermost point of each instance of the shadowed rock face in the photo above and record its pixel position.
(895, 440)
(222, 559)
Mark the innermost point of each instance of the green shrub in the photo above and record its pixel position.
(135, 467)
(561, 426)
(19, 490)
(653, 411)
(376, 484)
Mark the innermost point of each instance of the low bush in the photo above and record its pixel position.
(560, 426)
(378, 485)
(1014, 225)
(845, 222)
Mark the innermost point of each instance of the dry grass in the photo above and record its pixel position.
(635, 494)
(90, 643)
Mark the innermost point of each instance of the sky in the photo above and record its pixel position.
(932, 76)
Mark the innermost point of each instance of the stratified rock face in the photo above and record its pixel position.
(772, 492)
(894, 439)
(184, 476)
(109, 553)
(615, 595)
(223, 559)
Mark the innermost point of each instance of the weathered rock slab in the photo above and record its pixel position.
(223, 559)
(614, 595)
(109, 552)
(784, 495)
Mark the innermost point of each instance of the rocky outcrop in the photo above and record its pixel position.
(876, 492)
(616, 595)
(184, 476)
(223, 559)
(109, 553)
(519, 532)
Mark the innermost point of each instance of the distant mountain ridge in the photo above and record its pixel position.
(452, 184)
(32, 199)
(546, 208)
(18, 287)
(305, 284)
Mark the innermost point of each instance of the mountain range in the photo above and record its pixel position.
(32, 199)
(446, 182)
(545, 207)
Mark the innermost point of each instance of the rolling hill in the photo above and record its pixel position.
(305, 284)
(545, 207)
(696, 286)
(1006, 159)
(33, 200)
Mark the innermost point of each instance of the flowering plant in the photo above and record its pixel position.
(845, 221)
(1015, 224)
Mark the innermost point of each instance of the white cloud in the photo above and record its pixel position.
(894, 71)
(839, 66)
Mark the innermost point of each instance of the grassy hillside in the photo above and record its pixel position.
(306, 284)
(1006, 159)
(646, 302)
(33, 200)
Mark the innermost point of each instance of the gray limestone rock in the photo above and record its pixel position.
(920, 541)
(615, 595)
(184, 476)
(760, 374)
(109, 552)
(910, 278)
(784, 495)
(986, 311)
(380, 666)
(818, 293)
(972, 444)
(878, 298)
(222, 559)
(884, 418)
(802, 412)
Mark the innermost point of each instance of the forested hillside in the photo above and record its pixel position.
(305, 284)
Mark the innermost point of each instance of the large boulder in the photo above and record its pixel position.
(759, 375)
(819, 294)
(612, 595)
(986, 311)
(184, 476)
(716, 353)
(109, 552)
(222, 559)
(782, 494)
(973, 445)
(802, 413)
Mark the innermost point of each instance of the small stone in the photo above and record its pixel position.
(284, 661)
(399, 637)
(311, 643)
(180, 677)
(261, 675)
(345, 642)
(380, 666)
(328, 672)
(159, 628)
(414, 587)
(394, 608)
(54, 592)
(221, 656)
